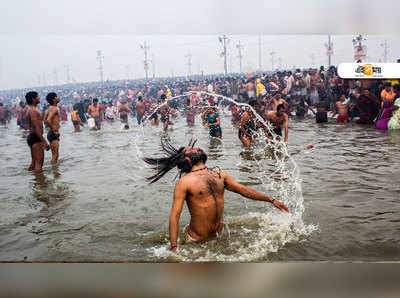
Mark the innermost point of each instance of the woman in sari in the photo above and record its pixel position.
(394, 122)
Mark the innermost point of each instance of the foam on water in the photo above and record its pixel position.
(253, 235)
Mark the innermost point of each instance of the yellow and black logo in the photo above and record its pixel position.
(368, 69)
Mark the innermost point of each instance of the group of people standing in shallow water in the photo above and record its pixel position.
(262, 98)
(273, 98)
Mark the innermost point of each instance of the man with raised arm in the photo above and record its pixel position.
(203, 190)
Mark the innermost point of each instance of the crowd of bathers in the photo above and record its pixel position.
(303, 92)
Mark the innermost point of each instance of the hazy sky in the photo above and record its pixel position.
(38, 38)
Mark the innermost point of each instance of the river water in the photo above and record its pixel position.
(95, 205)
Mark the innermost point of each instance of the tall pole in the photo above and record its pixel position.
(272, 59)
(329, 50)
(145, 47)
(153, 65)
(189, 63)
(259, 52)
(223, 40)
(358, 47)
(100, 58)
(385, 50)
(240, 56)
(280, 63)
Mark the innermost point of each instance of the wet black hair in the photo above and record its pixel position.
(163, 96)
(95, 100)
(175, 158)
(280, 107)
(75, 107)
(388, 84)
(1, 104)
(30, 96)
(50, 97)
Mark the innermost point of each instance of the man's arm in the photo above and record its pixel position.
(286, 128)
(37, 128)
(232, 185)
(179, 199)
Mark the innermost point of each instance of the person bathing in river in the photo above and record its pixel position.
(342, 108)
(35, 139)
(76, 120)
(165, 111)
(248, 125)
(52, 120)
(277, 119)
(124, 110)
(94, 112)
(203, 190)
(213, 122)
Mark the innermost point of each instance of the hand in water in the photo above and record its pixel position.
(281, 206)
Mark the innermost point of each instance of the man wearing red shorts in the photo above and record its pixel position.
(342, 108)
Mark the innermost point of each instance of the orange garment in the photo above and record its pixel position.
(388, 96)
(75, 116)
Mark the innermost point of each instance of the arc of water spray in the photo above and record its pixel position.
(259, 118)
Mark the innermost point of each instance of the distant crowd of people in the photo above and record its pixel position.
(274, 97)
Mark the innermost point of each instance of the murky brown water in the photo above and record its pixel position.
(95, 205)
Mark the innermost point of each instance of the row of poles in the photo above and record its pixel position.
(224, 41)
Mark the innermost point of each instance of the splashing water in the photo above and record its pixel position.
(250, 236)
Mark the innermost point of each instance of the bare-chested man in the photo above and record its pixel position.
(35, 139)
(94, 112)
(164, 111)
(248, 125)
(52, 120)
(140, 108)
(22, 118)
(3, 115)
(203, 190)
(278, 119)
(124, 110)
(342, 108)
(277, 100)
(251, 89)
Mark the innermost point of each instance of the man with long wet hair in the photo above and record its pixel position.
(202, 189)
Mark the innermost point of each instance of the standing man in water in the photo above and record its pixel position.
(248, 125)
(52, 120)
(164, 111)
(203, 190)
(94, 112)
(277, 119)
(22, 119)
(124, 110)
(3, 115)
(35, 139)
(140, 108)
